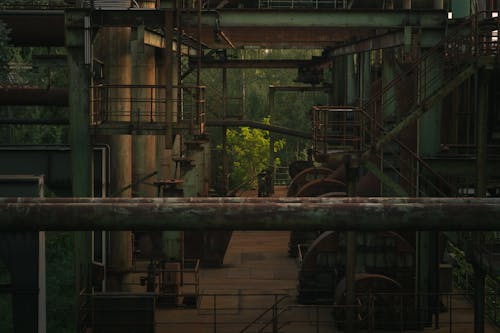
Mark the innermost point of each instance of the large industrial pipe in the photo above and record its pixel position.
(364, 214)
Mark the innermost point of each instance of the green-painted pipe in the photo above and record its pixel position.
(366, 214)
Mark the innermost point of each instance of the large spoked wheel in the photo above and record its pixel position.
(378, 304)
(305, 176)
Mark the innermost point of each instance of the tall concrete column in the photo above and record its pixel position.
(117, 64)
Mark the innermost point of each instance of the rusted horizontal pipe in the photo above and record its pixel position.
(365, 214)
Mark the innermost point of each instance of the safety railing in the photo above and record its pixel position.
(463, 280)
(84, 316)
(337, 129)
(281, 176)
(428, 76)
(141, 105)
(315, 4)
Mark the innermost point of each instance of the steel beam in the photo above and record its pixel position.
(364, 214)
(375, 19)
(255, 124)
(33, 96)
(281, 63)
(46, 27)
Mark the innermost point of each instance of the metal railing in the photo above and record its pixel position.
(419, 84)
(463, 279)
(146, 104)
(337, 129)
(281, 176)
(315, 4)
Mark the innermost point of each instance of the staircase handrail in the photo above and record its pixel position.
(275, 304)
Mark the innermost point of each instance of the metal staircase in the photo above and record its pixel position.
(426, 82)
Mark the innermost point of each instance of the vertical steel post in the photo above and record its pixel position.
(481, 189)
(479, 298)
(215, 313)
(339, 94)
(482, 135)
(272, 92)
(225, 160)
(78, 48)
(351, 253)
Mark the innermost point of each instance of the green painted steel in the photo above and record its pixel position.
(79, 138)
(386, 180)
(376, 19)
(460, 8)
(426, 106)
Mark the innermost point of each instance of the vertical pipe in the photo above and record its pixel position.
(406, 4)
(351, 253)
(225, 160)
(482, 135)
(115, 42)
(143, 146)
(439, 4)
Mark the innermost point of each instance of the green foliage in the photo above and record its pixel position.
(247, 93)
(249, 154)
(5, 52)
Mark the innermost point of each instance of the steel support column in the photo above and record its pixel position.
(339, 68)
(479, 299)
(351, 254)
(429, 144)
(482, 133)
(79, 50)
(482, 109)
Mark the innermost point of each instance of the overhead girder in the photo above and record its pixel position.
(303, 214)
(244, 27)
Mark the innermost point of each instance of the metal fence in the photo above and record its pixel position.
(316, 4)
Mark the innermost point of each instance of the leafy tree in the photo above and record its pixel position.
(248, 150)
